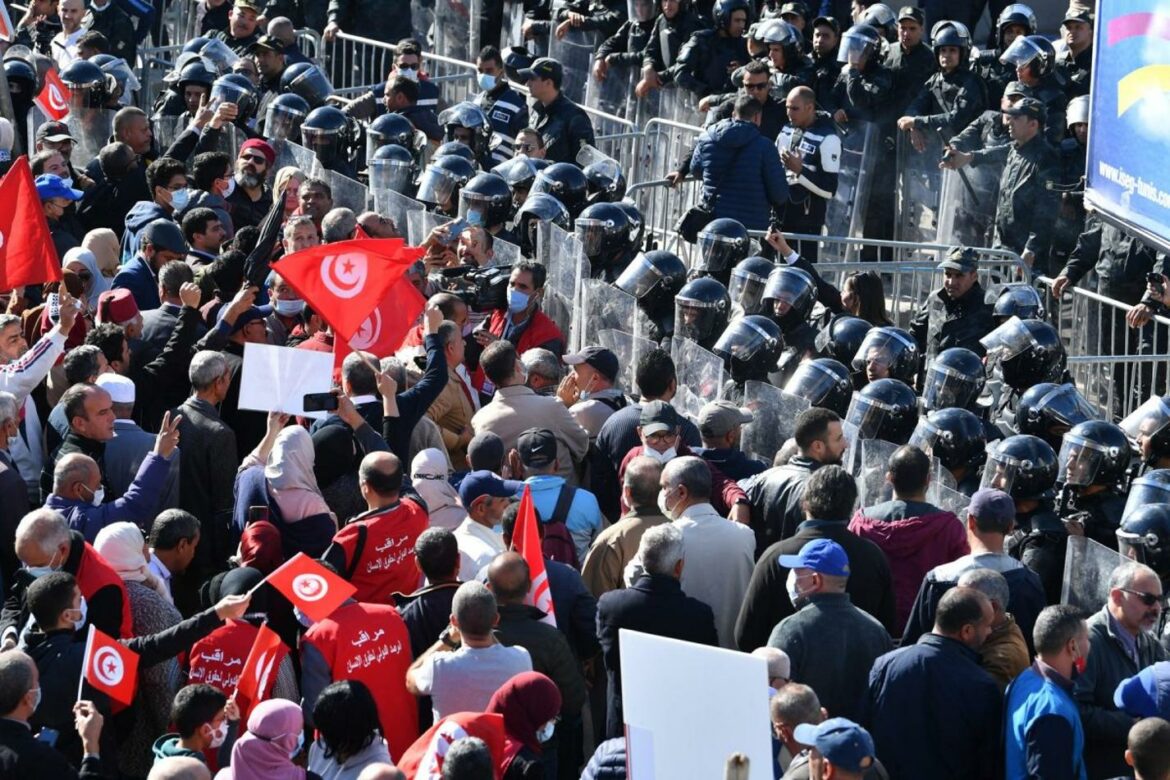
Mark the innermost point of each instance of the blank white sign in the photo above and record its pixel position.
(276, 379)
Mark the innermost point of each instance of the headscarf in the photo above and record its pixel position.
(527, 701)
(87, 259)
(334, 454)
(290, 476)
(106, 249)
(121, 545)
(261, 547)
(262, 753)
(428, 475)
(283, 176)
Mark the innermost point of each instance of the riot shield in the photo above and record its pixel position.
(568, 267)
(615, 94)
(680, 105)
(967, 206)
(846, 212)
(1088, 566)
(347, 193)
(167, 129)
(91, 129)
(701, 376)
(505, 252)
(575, 53)
(511, 31)
(774, 420)
(290, 153)
(919, 191)
(419, 225)
(456, 29)
(396, 207)
(603, 307)
(936, 318)
(873, 463)
(949, 499)
(629, 350)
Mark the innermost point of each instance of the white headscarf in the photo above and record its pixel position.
(121, 545)
(290, 476)
(89, 260)
(428, 475)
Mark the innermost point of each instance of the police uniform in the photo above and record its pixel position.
(911, 69)
(666, 40)
(986, 132)
(627, 44)
(507, 110)
(1100, 514)
(967, 320)
(240, 46)
(1051, 92)
(705, 61)
(1039, 542)
(996, 75)
(563, 125)
(1078, 71)
(811, 190)
(826, 70)
(1071, 222)
(864, 95)
(948, 102)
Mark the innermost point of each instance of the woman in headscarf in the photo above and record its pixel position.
(261, 548)
(429, 476)
(530, 703)
(276, 734)
(84, 263)
(349, 736)
(106, 248)
(289, 180)
(123, 547)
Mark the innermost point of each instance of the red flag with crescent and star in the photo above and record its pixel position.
(110, 667)
(526, 541)
(27, 254)
(346, 281)
(54, 97)
(311, 587)
(258, 676)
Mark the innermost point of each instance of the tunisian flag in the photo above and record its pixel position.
(526, 541)
(54, 98)
(27, 254)
(424, 759)
(346, 281)
(110, 667)
(258, 676)
(311, 587)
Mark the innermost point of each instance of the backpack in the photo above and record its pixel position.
(558, 542)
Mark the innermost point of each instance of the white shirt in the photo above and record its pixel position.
(477, 546)
(64, 47)
(160, 571)
(720, 555)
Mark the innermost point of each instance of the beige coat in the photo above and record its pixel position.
(515, 409)
(452, 411)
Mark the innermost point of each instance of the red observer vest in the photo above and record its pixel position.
(385, 563)
(540, 330)
(93, 574)
(369, 642)
(218, 658)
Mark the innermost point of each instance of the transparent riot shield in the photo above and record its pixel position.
(575, 53)
(629, 350)
(846, 212)
(873, 463)
(774, 419)
(949, 499)
(167, 129)
(937, 317)
(91, 129)
(396, 207)
(290, 153)
(568, 267)
(615, 94)
(967, 206)
(456, 29)
(1087, 568)
(701, 376)
(680, 105)
(347, 193)
(511, 31)
(505, 252)
(919, 190)
(603, 307)
(229, 140)
(419, 225)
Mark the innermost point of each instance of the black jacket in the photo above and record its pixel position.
(987, 131)
(565, 128)
(775, 497)
(864, 95)
(705, 59)
(1028, 205)
(911, 69)
(948, 102)
(766, 603)
(115, 24)
(521, 624)
(23, 756)
(966, 321)
(654, 604)
(1120, 260)
(666, 41)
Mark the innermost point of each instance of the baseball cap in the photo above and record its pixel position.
(657, 416)
(1147, 693)
(800, 9)
(960, 258)
(1029, 107)
(598, 357)
(253, 313)
(824, 556)
(841, 741)
(52, 186)
(55, 132)
(251, 5)
(1017, 88)
(165, 234)
(992, 505)
(478, 484)
(911, 12)
(270, 42)
(543, 68)
(120, 388)
(829, 21)
(537, 447)
(1074, 14)
(719, 418)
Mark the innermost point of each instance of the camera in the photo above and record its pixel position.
(482, 289)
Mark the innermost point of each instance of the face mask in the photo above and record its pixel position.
(99, 496)
(68, 182)
(486, 81)
(180, 199)
(662, 507)
(230, 188)
(544, 734)
(84, 610)
(661, 457)
(41, 571)
(517, 300)
(409, 73)
(300, 744)
(37, 699)
(289, 308)
(220, 734)
(793, 591)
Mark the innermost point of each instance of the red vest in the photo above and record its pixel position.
(385, 563)
(540, 330)
(218, 658)
(369, 642)
(93, 574)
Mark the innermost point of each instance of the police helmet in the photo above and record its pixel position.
(881, 17)
(893, 349)
(87, 82)
(605, 182)
(196, 44)
(285, 114)
(1019, 300)
(1016, 14)
(308, 81)
(823, 382)
(1049, 410)
(236, 88)
(1034, 51)
(954, 379)
(842, 338)
(486, 201)
(1042, 360)
(723, 242)
(466, 122)
(195, 73)
(723, 9)
(565, 182)
(19, 71)
(955, 436)
(516, 59)
(654, 278)
(1148, 427)
(1022, 466)
(1144, 536)
(392, 129)
(518, 172)
(701, 310)
(443, 178)
(539, 207)
(858, 45)
(604, 231)
(748, 280)
(789, 296)
(637, 222)
(1094, 453)
(326, 132)
(777, 32)
(391, 168)
(951, 33)
(750, 347)
(885, 409)
(1077, 111)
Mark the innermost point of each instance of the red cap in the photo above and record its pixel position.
(264, 148)
(117, 306)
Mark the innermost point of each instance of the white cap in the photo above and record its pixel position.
(120, 388)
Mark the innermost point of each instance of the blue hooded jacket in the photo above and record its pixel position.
(734, 158)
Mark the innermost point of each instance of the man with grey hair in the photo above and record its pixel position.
(360, 385)
(543, 369)
(617, 545)
(1005, 651)
(179, 768)
(300, 232)
(1122, 645)
(654, 604)
(721, 553)
(794, 705)
(338, 225)
(467, 665)
(13, 491)
(468, 759)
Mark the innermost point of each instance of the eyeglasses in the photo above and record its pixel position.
(661, 437)
(756, 85)
(1149, 599)
(259, 159)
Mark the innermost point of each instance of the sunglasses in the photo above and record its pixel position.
(1149, 599)
(759, 85)
(259, 159)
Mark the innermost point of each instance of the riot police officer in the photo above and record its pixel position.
(748, 280)
(864, 87)
(1035, 61)
(520, 174)
(956, 315)
(841, 339)
(990, 129)
(784, 50)
(468, 124)
(1149, 427)
(1025, 468)
(1077, 56)
(911, 60)
(565, 182)
(789, 297)
(722, 244)
(957, 438)
(23, 89)
(537, 208)
(604, 230)
(701, 311)
(327, 133)
(1028, 352)
(749, 347)
(439, 185)
(881, 17)
(954, 380)
(1094, 464)
(391, 168)
(885, 409)
(672, 30)
(284, 116)
(953, 96)
(1015, 21)
(604, 181)
(825, 39)
(1049, 411)
(887, 353)
(1018, 300)
(485, 201)
(308, 81)
(563, 125)
(187, 92)
(654, 278)
(505, 108)
(823, 382)
(709, 57)
(1073, 150)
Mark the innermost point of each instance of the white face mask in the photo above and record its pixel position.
(409, 73)
(99, 496)
(545, 732)
(661, 457)
(231, 187)
(84, 610)
(666, 511)
(220, 734)
(793, 591)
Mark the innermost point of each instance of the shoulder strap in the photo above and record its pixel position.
(564, 503)
(358, 548)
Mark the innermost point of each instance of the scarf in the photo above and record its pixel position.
(122, 545)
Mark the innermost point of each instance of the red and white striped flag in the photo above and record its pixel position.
(526, 541)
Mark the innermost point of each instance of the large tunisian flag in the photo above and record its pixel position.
(27, 254)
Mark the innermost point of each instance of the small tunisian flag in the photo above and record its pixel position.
(311, 587)
(54, 97)
(346, 281)
(526, 541)
(27, 254)
(110, 667)
(258, 676)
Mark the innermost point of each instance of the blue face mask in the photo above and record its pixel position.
(289, 308)
(180, 199)
(486, 81)
(517, 300)
(41, 571)
(300, 744)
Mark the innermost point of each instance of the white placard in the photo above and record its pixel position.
(688, 707)
(276, 379)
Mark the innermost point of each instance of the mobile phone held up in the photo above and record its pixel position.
(319, 402)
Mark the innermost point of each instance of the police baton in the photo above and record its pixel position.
(960, 171)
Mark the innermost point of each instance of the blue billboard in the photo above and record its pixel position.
(1128, 173)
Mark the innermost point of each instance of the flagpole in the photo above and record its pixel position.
(85, 665)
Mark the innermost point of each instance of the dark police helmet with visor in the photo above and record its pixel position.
(891, 347)
(1018, 300)
(1153, 487)
(654, 278)
(882, 18)
(89, 86)
(467, 123)
(457, 148)
(236, 88)
(1149, 428)
(604, 231)
(566, 183)
(748, 280)
(955, 436)
(1049, 410)
(284, 116)
(954, 379)
(823, 382)
(1032, 51)
(1144, 536)
(486, 201)
(327, 132)
(1028, 351)
(391, 129)
(952, 33)
(391, 168)
(701, 310)
(885, 409)
(723, 242)
(750, 347)
(1094, 453)
(722, 10)
(842, 338)
(789, 296)
(1015, 15)
(539, 207)
(1022, 466)
(308, 81)
(859, 44)
(441, 181)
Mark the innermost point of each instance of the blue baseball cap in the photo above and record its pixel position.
(485, 483)
(253, 313)
(845, 744)
(1147, 693)
(824, 556)
(52, 186)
